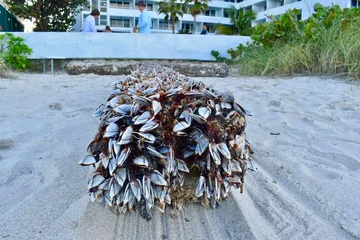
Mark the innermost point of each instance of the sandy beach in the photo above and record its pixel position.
(305, 133)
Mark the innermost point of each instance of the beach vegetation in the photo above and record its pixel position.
(13, 51)
(49, 16)
(173, 10)
(326, 43)
(240, 22)
(184, 31)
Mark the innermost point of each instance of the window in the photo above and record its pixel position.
(103, 5)
(247, 9)
(226, 15)
(299, 17)
(164, 25)
(103, 20)
(210, 12)
(187, 26)
(355, 3)
(127, 23)
(211, 28)
(114, 4)
(119, 22)
(94, 4)
(149, 7)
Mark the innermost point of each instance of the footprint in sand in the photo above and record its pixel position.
(55, 106)
(6, 144)
(2, 117)
(275, 103)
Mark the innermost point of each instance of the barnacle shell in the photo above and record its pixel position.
(167, 139)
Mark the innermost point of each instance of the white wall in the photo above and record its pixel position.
(129, 45)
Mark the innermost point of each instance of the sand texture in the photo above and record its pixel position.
(305, 133)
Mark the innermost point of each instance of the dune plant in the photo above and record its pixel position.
(285, 28)
(326, 43)
(14, 51)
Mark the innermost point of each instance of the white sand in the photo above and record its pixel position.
(307, 186)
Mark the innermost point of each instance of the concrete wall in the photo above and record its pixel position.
(129, 45)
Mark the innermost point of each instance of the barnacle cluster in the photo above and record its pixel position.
(158, 130)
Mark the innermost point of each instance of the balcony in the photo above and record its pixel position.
(122, 5)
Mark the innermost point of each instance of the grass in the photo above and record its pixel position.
(334, 51)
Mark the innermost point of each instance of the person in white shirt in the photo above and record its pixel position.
(89, 23)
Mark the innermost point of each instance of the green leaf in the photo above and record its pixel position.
(49, 15)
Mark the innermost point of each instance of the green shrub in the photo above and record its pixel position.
(184, 31)
(285, 28)
(220, 58)
(326, 43)
(14, 51)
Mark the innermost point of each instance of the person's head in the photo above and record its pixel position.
(142, 5)
(107, 28)
(95, 13)
(205, 26)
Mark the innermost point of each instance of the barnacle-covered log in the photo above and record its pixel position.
(165, 139)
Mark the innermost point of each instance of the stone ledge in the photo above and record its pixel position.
(190, 69)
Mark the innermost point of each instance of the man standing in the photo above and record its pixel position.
(205, 29)
(144, 24)
(89, 23)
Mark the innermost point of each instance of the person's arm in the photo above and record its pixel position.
(92, 25)
(143, 20)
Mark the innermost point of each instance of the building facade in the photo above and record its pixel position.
(8, 21)
(122, 15)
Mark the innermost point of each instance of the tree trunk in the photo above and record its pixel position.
(194, 27)
(40, 25)
(173, 25)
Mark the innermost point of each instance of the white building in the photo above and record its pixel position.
(122, 15)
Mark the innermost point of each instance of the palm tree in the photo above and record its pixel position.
(197, 7)
(241, 22)
(172, 10)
